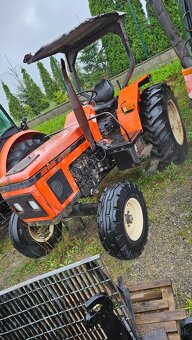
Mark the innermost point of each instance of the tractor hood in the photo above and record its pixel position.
(54, 149)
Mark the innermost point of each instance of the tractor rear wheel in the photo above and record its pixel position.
(33, 242)
(122, 220)
(162, 124)
(21, 150)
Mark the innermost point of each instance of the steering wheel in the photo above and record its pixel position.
(93, 95)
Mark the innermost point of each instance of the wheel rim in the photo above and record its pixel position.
(175, 122)
(133, 219)
(42, 233)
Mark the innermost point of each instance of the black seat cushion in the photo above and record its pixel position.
(104, 90)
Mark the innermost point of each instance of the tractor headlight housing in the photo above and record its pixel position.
(26, 206)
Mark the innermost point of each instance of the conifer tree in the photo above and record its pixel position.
(94, 65)
(49, 84)
(173, 10)
(16, 110)
(153, 34)
(115, 51)
(57, 75)
(158, 41)
(34, 96)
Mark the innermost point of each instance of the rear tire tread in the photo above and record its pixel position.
(21, 150)
(156, 126)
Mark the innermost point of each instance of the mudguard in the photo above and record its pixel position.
(128, 108)
(16, 138)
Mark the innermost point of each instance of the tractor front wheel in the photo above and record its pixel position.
(122, 220)
(162, 124)
(32, 241)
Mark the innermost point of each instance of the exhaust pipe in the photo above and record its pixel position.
(77, 108)
(176, 41)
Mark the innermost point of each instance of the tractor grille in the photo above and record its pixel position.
(60, 186)
(51, 306)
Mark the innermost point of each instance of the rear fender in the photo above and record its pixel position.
(18, 137)
(128, 108)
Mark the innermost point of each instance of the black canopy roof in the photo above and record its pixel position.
(81, 36)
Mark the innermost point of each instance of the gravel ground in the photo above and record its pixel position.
(167, 253)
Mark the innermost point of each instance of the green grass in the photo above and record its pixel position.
(77, 244)
(188, 306)
(52, 125)
(165, 72)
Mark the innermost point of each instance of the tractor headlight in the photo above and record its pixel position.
(18, 207)
(34, 205)
(26, 206)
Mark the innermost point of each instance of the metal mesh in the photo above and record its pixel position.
(51, 306)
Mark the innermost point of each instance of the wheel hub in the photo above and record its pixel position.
(175, 122)
(129, 218)
(42, 233)
(133, 219)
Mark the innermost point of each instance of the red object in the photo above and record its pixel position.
(187, 73)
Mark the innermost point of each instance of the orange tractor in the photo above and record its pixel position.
(43, 177)
(7, 130)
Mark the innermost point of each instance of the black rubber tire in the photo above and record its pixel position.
(110, 221)
(21, 150)
(25, 244)
(156, 125)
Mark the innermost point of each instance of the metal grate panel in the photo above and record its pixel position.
(51, 306)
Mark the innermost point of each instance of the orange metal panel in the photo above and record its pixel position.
(128, 108)
(90, 113)
(18, 137)
(52, 148)
(46, 153)
(129, 118)
(43, 194)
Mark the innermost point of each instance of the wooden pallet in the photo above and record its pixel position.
(154, 307)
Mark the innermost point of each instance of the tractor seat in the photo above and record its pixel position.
(104, 98)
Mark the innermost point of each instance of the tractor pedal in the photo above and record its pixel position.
(153, 167)
(145, 153)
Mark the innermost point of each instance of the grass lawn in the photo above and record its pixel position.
(52, 125)
(78, 243)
